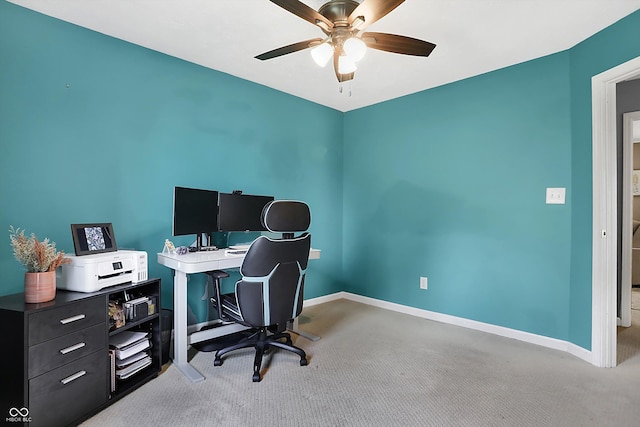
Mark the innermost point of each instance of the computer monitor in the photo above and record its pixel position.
(195, 211)
(241, 212)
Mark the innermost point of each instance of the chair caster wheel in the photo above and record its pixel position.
(303, 362)
(256, 378)
(217, 362)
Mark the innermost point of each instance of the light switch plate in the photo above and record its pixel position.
(555, 196)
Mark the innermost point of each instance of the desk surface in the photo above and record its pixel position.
(197, 262)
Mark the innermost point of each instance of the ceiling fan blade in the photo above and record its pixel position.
(284, 50)
(305, 12)
(397, 44)
(372, 10)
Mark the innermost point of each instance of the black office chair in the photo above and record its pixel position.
(270, 293)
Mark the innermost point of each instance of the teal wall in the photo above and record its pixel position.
(448, 183)
(607, 49)
(93, 129)
(451, 183)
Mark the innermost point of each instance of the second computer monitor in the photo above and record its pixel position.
(241, 212)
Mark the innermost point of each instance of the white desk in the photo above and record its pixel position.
(197, 262)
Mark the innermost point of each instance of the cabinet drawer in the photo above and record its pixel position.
(51, 354)
(65, 394)
(49, 324)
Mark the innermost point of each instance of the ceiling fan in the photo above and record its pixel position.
(343, 22)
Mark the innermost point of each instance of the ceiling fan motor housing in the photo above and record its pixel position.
(338, 11)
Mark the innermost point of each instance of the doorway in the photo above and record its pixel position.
(604, 236)
(630, 236)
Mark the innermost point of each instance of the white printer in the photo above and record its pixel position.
(90, 273)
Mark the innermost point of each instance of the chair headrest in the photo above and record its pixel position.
(286, 216)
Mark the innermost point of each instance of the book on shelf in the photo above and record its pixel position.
(112, 369)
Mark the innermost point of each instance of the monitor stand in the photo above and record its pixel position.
(208, 247)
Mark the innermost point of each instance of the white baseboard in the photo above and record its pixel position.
(553, 343)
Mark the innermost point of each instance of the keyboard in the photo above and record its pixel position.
(235, 252)
(244, 247)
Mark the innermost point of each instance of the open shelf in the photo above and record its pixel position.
(149, 324)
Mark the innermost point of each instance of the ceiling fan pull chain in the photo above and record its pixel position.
(341, 88)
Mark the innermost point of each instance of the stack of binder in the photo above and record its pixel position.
(129, 354)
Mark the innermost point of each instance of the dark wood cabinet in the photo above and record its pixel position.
(55, 365)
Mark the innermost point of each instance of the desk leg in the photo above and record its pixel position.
(180, 339)
(293, 327)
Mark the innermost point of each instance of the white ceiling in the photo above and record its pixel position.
(472, 37)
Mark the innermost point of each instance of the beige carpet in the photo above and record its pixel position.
(374, 367)
(635, 299)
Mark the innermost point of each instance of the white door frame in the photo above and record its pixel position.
(604, 234)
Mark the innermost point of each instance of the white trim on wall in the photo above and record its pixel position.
(459, 321)
(604, 235)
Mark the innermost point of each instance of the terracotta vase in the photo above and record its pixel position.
(39, 287)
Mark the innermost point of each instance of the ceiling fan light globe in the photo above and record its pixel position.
(346, 65)
(355, 48)
(322, 53)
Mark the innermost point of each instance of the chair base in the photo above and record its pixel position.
(219, 343)
(262, 340)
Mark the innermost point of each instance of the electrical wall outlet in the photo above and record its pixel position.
(424, 284)
(556, 196)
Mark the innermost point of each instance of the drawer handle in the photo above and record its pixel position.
(73, 377)
(72, 348)
(72, 319)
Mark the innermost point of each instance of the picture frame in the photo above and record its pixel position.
(91, 239)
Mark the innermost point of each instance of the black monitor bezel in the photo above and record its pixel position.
(214, 196)
(239, 196)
